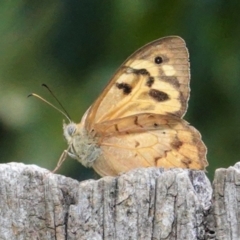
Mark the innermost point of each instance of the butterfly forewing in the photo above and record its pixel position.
(155, 79)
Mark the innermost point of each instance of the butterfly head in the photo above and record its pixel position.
(69, 130)
(72, 129)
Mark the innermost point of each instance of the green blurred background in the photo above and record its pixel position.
(76, 46)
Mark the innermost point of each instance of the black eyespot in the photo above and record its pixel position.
(158, 60)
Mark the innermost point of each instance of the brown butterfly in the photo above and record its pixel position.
(137, 119)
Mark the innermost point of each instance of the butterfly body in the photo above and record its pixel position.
(83, 145)
(137, 120)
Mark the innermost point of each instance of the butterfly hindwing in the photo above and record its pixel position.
(149, 140)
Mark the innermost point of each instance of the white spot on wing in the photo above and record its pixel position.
(168, 70)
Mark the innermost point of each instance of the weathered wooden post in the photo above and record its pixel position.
(149, 203)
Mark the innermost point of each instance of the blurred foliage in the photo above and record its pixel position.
(75, 47)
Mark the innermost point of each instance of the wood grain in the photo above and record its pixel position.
(142, 204)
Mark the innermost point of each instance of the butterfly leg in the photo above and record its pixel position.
(72, 155)
(62, 158)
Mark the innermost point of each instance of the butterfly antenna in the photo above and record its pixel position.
(60, 104)
(59, 110)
